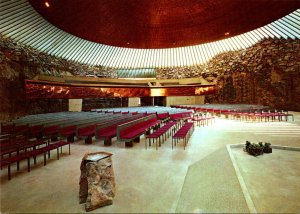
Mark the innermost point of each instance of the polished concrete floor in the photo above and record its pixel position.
(196, 180)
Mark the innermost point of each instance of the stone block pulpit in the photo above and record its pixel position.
(97, 181)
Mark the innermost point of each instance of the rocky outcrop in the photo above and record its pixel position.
(36, 62)
(268, 73)
(19, 62)
(97, 181)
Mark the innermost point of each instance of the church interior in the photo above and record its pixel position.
(153, 106)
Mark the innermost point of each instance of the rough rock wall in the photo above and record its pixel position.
(19, 62)
(267, 73)
(42, 63)
(12, 91)
(13, 71)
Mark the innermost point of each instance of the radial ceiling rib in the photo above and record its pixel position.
(292, 24)
(119, 57)
(277, 29)
(72, 45)
(22, 23)
(13, 32)
(87, 53)
(292, 21)
(291, 29)
(40, 39)
(101, 54)
(65, 40)
(15, 22)
(76, 54)
(95, 54)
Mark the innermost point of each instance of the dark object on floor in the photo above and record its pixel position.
(256, 149)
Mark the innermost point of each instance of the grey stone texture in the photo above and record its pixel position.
(97, 181)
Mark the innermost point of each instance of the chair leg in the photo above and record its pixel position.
(45, 159)
(8, 172)
(57, 153)
(28, 164)
(145, 142)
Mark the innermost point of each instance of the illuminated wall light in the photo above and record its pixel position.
(205, 90)
(227, 33)
(154, 92)
(47, 4)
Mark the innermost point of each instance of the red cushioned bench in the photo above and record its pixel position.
(22, 129)
(12, 145)
(108, 130)
(7, 128)
(36, 131)
(182, 116)
(163, 116)
(33, 153)
(69, 132)
(51, 132)
(130, 132)
(19, 144)
(87, 132)
(183, 133)
(107, 133)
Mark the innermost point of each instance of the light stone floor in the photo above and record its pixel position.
(272, 180)
(198, 179)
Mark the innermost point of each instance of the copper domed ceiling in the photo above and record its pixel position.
(24, 25)
(161, 23)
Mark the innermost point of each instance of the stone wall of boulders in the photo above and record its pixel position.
(19, 62)
(36, 62)
(267, 73)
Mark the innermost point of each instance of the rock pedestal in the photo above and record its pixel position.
(97, 181)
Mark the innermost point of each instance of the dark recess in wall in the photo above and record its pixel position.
(146, 101)
(88, 104)
(40, 106)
